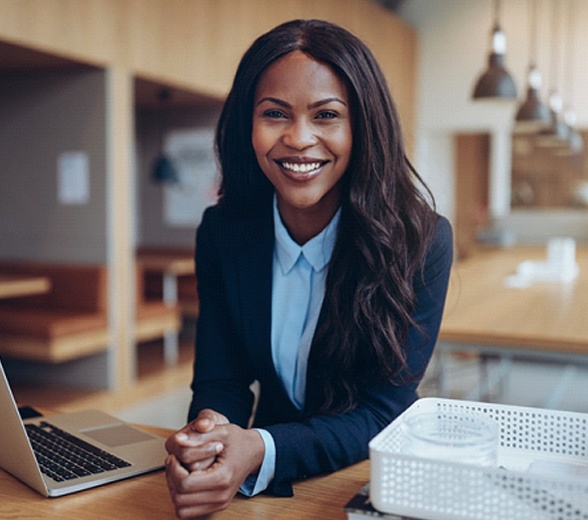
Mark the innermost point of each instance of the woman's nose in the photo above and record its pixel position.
(299, 135)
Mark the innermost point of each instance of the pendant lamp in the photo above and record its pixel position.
(496, 82)
(164, 171)
(532, 113)
(557, 129)
(561, 132)
(575, 140)
(533, 110)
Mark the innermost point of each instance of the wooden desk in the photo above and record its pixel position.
(12, 286)
(547, 320)
(147, 498)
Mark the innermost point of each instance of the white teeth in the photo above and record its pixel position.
(301, 167)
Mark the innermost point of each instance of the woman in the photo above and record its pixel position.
(322, 274)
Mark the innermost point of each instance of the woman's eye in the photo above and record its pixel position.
(274, 114)
(327, 114)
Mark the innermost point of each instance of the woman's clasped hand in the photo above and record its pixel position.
(208, 460)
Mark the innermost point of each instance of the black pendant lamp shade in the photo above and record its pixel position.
(533, 109)
(557, 127)
(496, 82)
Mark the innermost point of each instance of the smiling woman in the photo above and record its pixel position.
(322, 274)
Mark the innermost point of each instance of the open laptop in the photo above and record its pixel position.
(103, 448)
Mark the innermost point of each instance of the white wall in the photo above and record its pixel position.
(454, 39)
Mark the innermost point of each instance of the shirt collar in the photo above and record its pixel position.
(317, 250)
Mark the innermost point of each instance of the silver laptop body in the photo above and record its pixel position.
(142, 451)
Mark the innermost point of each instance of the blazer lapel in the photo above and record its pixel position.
(255, 292)
(314, 397)
(255, 282)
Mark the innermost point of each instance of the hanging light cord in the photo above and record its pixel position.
(496, 13)
(569, 55)
(498, 36)
(533, 33)
(554, 47)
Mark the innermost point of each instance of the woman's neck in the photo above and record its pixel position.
(303, 225)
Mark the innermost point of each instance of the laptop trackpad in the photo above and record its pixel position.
(117, 435)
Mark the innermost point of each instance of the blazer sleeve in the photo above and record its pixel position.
(325, 443)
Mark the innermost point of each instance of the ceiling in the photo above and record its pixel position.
(19, 59)
(393, 5)
(15, 59)
(155, 94)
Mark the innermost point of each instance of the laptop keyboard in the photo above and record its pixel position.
(63, 456)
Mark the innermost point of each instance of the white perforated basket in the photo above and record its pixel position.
(554, 442)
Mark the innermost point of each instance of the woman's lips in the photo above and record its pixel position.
(301, 171)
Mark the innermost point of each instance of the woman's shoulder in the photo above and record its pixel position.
(440, 250)
(443, 231)
(229, 224)
(213, 216)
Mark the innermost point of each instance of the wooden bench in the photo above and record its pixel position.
(67, 322)
(71, 320)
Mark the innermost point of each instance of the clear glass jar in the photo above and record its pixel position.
(451, 436)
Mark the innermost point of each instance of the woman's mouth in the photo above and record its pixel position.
(301, 170)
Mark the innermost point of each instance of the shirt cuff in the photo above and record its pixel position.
(256, 483)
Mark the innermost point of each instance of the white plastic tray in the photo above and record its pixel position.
(542, 469)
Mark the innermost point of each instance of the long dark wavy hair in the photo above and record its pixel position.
(387, 220)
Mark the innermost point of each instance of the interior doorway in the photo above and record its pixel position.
(472, 181)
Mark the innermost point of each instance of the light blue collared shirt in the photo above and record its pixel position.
(298, 288)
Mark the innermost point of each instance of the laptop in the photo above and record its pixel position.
(100, 448)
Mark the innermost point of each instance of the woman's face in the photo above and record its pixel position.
(302, 134)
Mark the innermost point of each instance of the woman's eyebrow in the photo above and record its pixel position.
(316, 104)
(277, 101)
(326, 101)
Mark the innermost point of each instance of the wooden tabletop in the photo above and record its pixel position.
(147, 498)
(481, 308)
(167, 263)
(12, 286)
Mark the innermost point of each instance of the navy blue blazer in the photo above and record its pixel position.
(233, 349)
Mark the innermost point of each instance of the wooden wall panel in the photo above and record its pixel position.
(198, 43)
